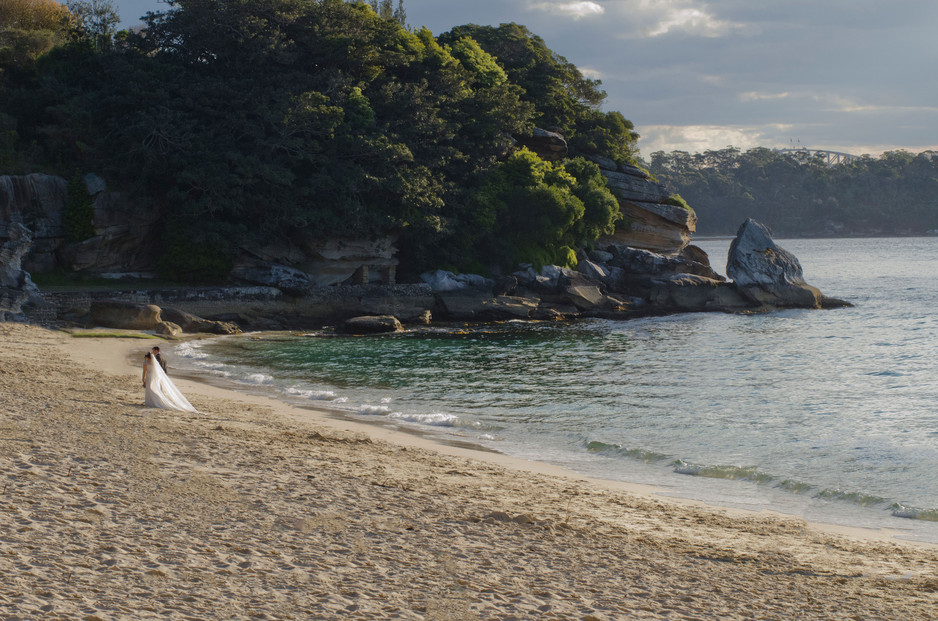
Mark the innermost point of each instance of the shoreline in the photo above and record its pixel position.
(253, 508)
(839, 520)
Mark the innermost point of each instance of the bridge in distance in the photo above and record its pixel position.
(831, 157)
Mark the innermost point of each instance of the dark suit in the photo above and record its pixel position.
(162, 362)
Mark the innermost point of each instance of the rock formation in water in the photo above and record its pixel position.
(767, 274)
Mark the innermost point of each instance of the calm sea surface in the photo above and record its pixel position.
(830, 415)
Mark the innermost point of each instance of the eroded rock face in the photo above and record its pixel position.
(766, 273)
(336, 261)
(124, 238)
(650, 223)
(16, 287)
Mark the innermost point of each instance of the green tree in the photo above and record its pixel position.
(95, 20)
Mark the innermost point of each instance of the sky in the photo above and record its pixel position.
(854, 76)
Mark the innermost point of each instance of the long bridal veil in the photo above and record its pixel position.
(161, 392)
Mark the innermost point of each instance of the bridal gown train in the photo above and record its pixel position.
(161, 392)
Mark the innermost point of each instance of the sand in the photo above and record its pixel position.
(252, 509)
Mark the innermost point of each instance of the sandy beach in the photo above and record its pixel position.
(252, 509)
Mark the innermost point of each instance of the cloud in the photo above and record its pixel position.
(656, 18)
(591, 73)
(573, 9)
(698, 138)
(757, 96)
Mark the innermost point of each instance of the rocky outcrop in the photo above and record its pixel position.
(124, 237)
(125, 315)
(649, 223)
(767, 274)
(16, 287)
(126, 241)
(549, 146)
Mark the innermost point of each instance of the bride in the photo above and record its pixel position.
(161, 392)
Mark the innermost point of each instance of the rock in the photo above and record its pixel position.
(371, 324)
(603, 162)
(441, 281)
(125, 315)
(594, 271)
(694, 293)
(12, 252)
(766, 273)
(466, 306)
(549, 146)
(652, 226)
(11, 303)
(632, 188)
(192, 323)
(585, 297)
(168, 328)
(636, 261)
(94, 184)
(600, 256)
(695, 254)
(16, 287)
(335, 261)
(506, 285)
(36, 201)
(289, 280)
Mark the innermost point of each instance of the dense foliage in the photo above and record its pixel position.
(249, 121)
(896, 194)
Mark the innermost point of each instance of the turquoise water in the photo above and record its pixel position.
(831, 415)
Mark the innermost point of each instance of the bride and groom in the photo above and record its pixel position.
(160, 390)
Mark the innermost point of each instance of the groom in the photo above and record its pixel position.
(159, 358)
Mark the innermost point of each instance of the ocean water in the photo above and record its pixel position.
(829, 415)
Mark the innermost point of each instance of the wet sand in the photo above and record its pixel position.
(253, 509)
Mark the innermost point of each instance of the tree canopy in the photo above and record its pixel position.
(244, 121)
(801, 195)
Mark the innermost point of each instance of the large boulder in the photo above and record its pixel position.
(193, 323)
(374, 324)
(766, 273)
(125, 315)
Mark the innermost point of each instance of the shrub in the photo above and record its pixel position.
(677, 201)
(79, 212)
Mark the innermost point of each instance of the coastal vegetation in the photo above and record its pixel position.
(248, 121)
(798, 195)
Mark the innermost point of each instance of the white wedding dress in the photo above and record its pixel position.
(161, 392)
